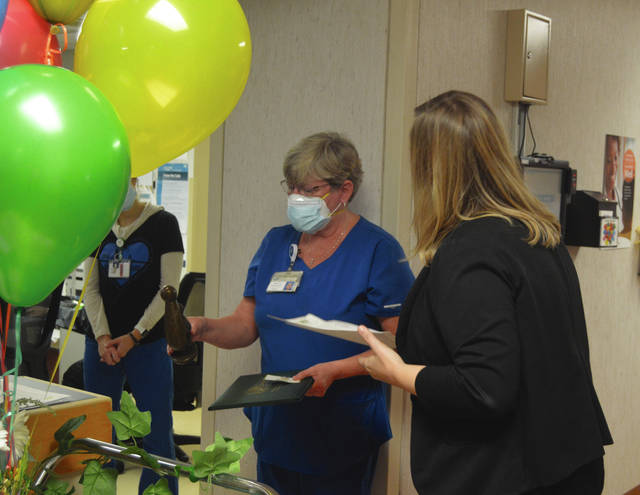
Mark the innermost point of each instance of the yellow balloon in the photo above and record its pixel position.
(173, 69)
(64, 11)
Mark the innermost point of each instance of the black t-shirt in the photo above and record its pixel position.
(125, 299)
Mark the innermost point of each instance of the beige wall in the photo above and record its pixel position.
(593, 90)
(322, 65)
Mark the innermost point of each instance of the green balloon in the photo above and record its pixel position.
(64, 172)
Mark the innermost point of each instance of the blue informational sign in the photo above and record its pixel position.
(172, 191)
(170, 172)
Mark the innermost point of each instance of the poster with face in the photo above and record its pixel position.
(619, 178)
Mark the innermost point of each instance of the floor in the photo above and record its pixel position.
(185, 423)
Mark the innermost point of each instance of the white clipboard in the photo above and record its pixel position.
(336, 328)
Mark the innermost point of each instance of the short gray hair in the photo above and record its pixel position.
(326, 155)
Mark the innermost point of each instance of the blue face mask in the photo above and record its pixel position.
(308, 214)
(129, 198)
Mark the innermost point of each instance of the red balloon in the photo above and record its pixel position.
(25, 37)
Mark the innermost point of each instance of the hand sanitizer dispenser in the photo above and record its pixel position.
(591, 220)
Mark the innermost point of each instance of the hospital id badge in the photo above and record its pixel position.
(119, 269)
(288, 281)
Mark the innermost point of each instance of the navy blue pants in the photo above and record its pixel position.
(149, 371)
(355, 480)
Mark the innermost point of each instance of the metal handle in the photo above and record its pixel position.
(230, 481)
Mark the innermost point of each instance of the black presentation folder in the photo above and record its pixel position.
(254, 390)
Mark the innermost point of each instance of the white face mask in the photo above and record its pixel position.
(308, 214)
(129, 199)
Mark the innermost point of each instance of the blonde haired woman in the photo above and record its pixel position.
(492, 338)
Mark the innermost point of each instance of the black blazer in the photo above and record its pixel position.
(506, 401)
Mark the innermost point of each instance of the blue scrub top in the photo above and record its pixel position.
(367, 272)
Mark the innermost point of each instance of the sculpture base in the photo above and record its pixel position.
(187, 355)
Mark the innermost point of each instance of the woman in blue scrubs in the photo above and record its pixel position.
(335, 264)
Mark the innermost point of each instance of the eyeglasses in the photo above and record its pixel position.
(305, 191)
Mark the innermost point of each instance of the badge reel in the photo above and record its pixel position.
(118, 267)
(288, 281)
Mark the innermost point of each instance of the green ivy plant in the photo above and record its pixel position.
(223, 456)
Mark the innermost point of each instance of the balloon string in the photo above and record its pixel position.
(5, 381)
(64, 32)
(3, 342)
(66, 339)
(16, 365)
(10, 403)
(73, 320)
(6, 326)
(5, 378)
(2, 356)
(9, 393)
(49, 51)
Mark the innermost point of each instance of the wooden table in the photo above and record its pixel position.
(43, 422)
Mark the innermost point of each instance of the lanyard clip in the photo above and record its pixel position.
(117, 258)
(293, 254)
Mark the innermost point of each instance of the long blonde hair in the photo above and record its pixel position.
(462, 169)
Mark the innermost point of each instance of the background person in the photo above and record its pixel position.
(350, 270)
(142, 253)
(611, 165)
(610, 179)
(492, 339)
